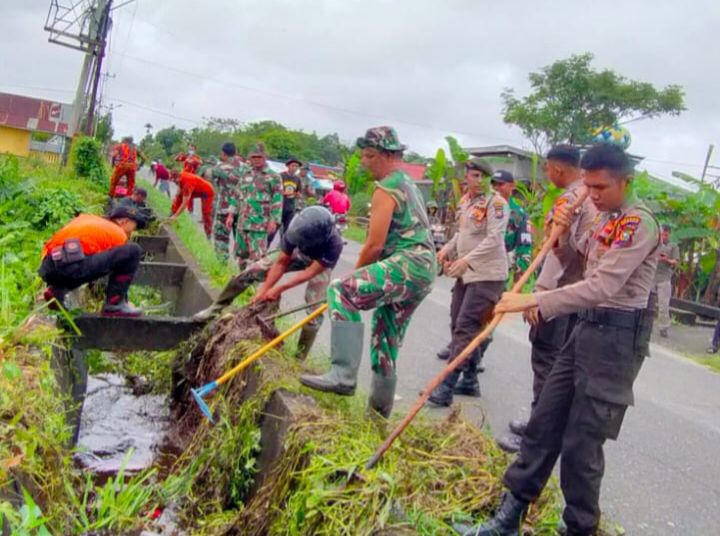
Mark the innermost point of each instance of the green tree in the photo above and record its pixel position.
(104, 130)
(171, 139)
(569, 99)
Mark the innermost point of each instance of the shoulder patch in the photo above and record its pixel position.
(499, 209)
(626, 228)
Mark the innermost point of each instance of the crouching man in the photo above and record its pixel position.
(310, 247)
(90, 247)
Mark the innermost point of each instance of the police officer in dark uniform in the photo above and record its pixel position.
(480, 267)
(583, 401)
(562, 166)
(311, 247)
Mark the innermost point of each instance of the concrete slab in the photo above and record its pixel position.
(160, 274)
(687, 318)
(133, 334)
(282, 411)
(154, 246)
(701, 309)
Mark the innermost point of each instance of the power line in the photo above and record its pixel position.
(314, 103)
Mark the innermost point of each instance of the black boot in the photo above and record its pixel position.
(510, 443)
(507, 521)
(444, 354)
(443, 393)
(469, 384)
(518, 426)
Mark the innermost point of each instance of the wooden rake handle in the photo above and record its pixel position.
(555, 233)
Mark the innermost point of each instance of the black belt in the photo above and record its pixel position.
(611, 317)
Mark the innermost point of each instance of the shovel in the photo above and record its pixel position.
(208, 388)
(555, 233)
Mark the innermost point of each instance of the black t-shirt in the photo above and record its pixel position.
(292, 189)
(326, 254)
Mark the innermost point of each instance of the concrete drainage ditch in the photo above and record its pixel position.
(108, 419)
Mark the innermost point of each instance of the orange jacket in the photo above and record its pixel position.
(191, 184)
(125, 154)
(95, 233)
(191, 162)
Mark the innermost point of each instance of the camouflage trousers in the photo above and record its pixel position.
(394, 287)
(221, 236)
(250, 246)
(316, 288)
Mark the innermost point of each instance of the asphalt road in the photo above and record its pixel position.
(662, 475)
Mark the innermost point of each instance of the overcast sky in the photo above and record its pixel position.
(430, 68)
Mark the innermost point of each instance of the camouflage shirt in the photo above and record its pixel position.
(517, 236)
(225, 177)
(409, 228)
(257, 199)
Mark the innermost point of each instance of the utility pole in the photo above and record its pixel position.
(711, 148)
(82, 25)
(99, 55)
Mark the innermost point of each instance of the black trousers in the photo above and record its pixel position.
(581, 405)
(716, 336)
(547, 338)
(120, 263)
(469, 311)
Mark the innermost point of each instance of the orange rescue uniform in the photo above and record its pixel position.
(125, 158)
(194, 187)
(96, 234)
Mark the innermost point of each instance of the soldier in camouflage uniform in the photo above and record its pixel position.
(258, 205)
(394, 272)
(518, 241)
(306, 186)
(225, 177)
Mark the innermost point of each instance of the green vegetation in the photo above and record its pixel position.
(280, 141)
(569, 100)
(192, 236)
(86, 159)
(711, 361)
(356, 233)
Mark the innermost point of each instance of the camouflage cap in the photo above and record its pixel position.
(479, 164)
(257, 150)
(383, 138)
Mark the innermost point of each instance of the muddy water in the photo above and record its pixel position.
(115, 422)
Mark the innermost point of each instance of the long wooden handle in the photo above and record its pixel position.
(269, 346)
(555, 233)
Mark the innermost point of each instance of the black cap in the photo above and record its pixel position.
(502, 176)
(229, 148)
(567, 154)
(293, 161)
(140, 217)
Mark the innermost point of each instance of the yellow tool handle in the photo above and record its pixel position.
(269, 346)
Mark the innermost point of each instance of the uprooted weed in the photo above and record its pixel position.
(439, 471)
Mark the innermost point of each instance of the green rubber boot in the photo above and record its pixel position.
(382, 393)
(346, 346)
(306, 340)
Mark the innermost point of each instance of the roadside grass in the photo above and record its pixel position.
(355, 233)
(192, 236)
(711, 361)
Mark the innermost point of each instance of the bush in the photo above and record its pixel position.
(360, 204)
(87, 160)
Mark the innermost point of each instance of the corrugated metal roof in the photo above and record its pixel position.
(37, 115)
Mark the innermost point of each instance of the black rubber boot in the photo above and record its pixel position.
(306, 340)
(510, 443)
(346, 345)
(507, 521)
(444, 354)
(443, 393)
(518, 426)
(469, 384)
